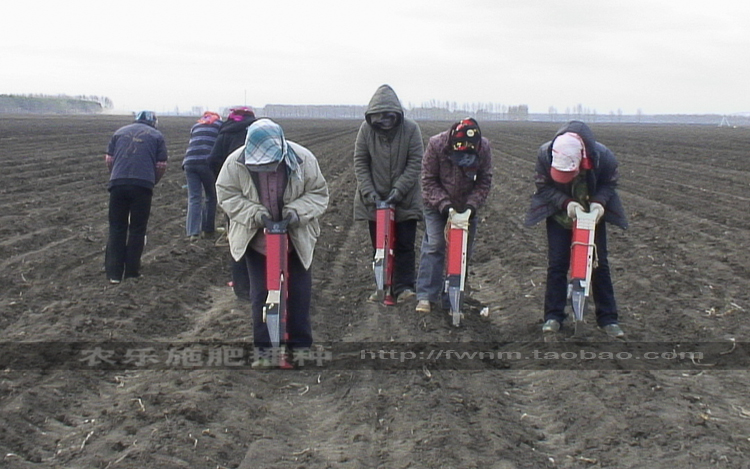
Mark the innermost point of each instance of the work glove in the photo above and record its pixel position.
(459, 220)
(472, 211)
(293, 219)
(597, 208)
(372, 197)
(260, 215)
(447, 210)
(394, 197)
(571, 209)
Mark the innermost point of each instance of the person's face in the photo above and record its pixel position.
(384, 120)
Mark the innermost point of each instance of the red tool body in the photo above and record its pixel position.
(385, 241)
(277, 278)
(582, 263)
(457, 241)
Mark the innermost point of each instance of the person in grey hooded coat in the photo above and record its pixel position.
(387, 163)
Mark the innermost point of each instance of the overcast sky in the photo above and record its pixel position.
(656, 56)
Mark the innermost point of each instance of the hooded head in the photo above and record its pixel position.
(384, 112)
(147, 117)
(568, 151)
(581, 129)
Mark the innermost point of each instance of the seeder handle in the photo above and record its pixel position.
(276, 227)
(583, 248)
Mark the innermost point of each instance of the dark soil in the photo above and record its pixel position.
(681, 277)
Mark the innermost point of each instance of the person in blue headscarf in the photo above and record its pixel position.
(272, 177)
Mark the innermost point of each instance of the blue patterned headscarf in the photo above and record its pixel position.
(266, 148)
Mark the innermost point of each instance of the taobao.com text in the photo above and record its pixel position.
(404, 356)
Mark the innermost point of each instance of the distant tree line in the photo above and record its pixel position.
(58, 104)
(451, 111)
(313, 111)
(432, 110)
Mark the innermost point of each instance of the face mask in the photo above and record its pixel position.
(384, 120)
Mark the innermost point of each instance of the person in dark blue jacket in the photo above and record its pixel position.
(201, 181)
(231, 136)
(137, 160)
(573, 170)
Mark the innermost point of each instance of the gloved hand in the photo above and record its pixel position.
(394, 197)
(372, 197)
(459, 220)
(293, 218)
(571, 209)
(597, 208)
(259, 215)
(472, 211)
(447, 210)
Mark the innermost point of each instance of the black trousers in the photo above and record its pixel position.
(240, 279)
(556, 295)
(404, 257)
(129, 211)
(298, 323)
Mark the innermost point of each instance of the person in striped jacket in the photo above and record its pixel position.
(201, 182)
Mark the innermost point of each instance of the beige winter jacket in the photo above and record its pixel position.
(238, 198)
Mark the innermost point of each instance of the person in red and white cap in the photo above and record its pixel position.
(574, 171)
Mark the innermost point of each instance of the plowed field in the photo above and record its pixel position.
(681, 275)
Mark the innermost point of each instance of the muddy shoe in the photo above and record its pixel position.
(551, 325)
(405, 296)
(374, 298)
(614, 331)
(261, 364)
(221, 240)
(114, 281)
(423, 306)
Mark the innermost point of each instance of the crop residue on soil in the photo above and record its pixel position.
(681, 276)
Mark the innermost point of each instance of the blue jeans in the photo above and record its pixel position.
(556, 295)
(129, 211)
(431, 276)
(201, 211)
